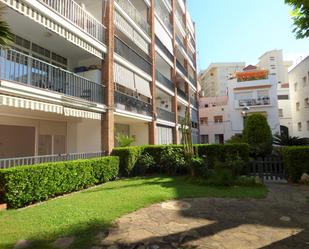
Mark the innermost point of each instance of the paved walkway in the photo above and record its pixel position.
(279, 221)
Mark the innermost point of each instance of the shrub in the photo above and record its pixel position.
(236, 139)
(144, 163)
(198, 167)
(257, 134)
(124, 140)
(296, 161)
(128, 158)
(285, 140)
(24, 185)
(172, 160)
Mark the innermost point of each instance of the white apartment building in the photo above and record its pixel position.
(299, 92)
(79, 72)
(213, 80)
(249, 92)
(273, 62)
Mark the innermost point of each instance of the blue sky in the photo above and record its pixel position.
(242, 30)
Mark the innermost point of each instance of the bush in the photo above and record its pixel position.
(24, 185)
(130, 156)
(257, 134)
(144, 163)
(198, 167)
(296, 161)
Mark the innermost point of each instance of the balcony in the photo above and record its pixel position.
(134, 14)
(78, 16)
(21, 161)
(254, 102)
(181, 68)
(164, 81)
(132, 104)
(182, 94)
(193, 102)
(166, 115)
(192, 80)
(130, 55)
(24, 69)
(163, 14)
(180, 42)
(164, 49)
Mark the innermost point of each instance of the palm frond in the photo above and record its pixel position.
(6, 37)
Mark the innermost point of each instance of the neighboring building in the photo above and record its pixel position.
(214, 80)
(278, 68)
(70, 83)
(250, 91)
(299, 92)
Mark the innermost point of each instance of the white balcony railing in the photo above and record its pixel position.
(78, 16)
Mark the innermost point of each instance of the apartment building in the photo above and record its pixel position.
(273, 62)
(299, 92)
(79, 72)
(249, 91)
(214, 79)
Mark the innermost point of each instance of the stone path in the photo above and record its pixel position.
(279, 221)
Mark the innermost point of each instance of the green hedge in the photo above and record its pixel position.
(129, 156)
(296, 161)
(24, 185)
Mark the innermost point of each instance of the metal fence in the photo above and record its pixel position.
(78, 16)
(22, 161)
(22, 68)
(166, 115)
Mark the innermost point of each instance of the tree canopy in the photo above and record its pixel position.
(300, 15)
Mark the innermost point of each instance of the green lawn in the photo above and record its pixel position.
(84, 213)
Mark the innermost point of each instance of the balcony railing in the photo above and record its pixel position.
(254, 102)
(180, 42)
(24, 69)
(166, 115)
(192, 80)
(134, 14)
(164, 81)
(130, 55)
(193, 101)
(132, 104)
(182, 94)
(164, 14)
(164, 49)
(78, 16)
(181, 68)
(22, 161)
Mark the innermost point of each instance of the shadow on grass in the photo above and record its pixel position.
(226, 215)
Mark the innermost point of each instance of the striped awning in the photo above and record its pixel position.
(33, 105)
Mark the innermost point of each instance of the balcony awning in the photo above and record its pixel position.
(142, 86)
(33, 105)
(123, 76)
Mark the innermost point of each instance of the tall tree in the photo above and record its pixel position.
(6, 36)
(300, 15)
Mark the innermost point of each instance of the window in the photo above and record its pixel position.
(299, 126)
(297, 106)
(304, 81)
(280, 113)
(295, 87)
(219, 139)
(283, 97)
(306, 102)
(272, 58)
(206, 105)
(218, 119)
(204, 139)
(204, 121)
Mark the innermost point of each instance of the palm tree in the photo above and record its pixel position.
(6, 36)
(284, 140)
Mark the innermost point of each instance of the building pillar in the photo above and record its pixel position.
(107, 127)
(153, 123)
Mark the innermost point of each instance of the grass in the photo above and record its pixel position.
(85, 213)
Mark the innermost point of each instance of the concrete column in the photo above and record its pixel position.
(153, 123)
(107, 127)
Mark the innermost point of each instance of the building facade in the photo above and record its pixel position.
(273, 62)
(214, 79)
(299, 92)
(80, 72)
(249, 92)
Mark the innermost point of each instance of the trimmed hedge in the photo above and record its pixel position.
(129, 155)
(24, 185)
(296, 161)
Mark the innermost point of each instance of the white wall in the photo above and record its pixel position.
(140, 132)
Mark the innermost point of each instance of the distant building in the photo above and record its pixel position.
(278, 68)
(299, 92)
(214, 79)
(248, 92)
